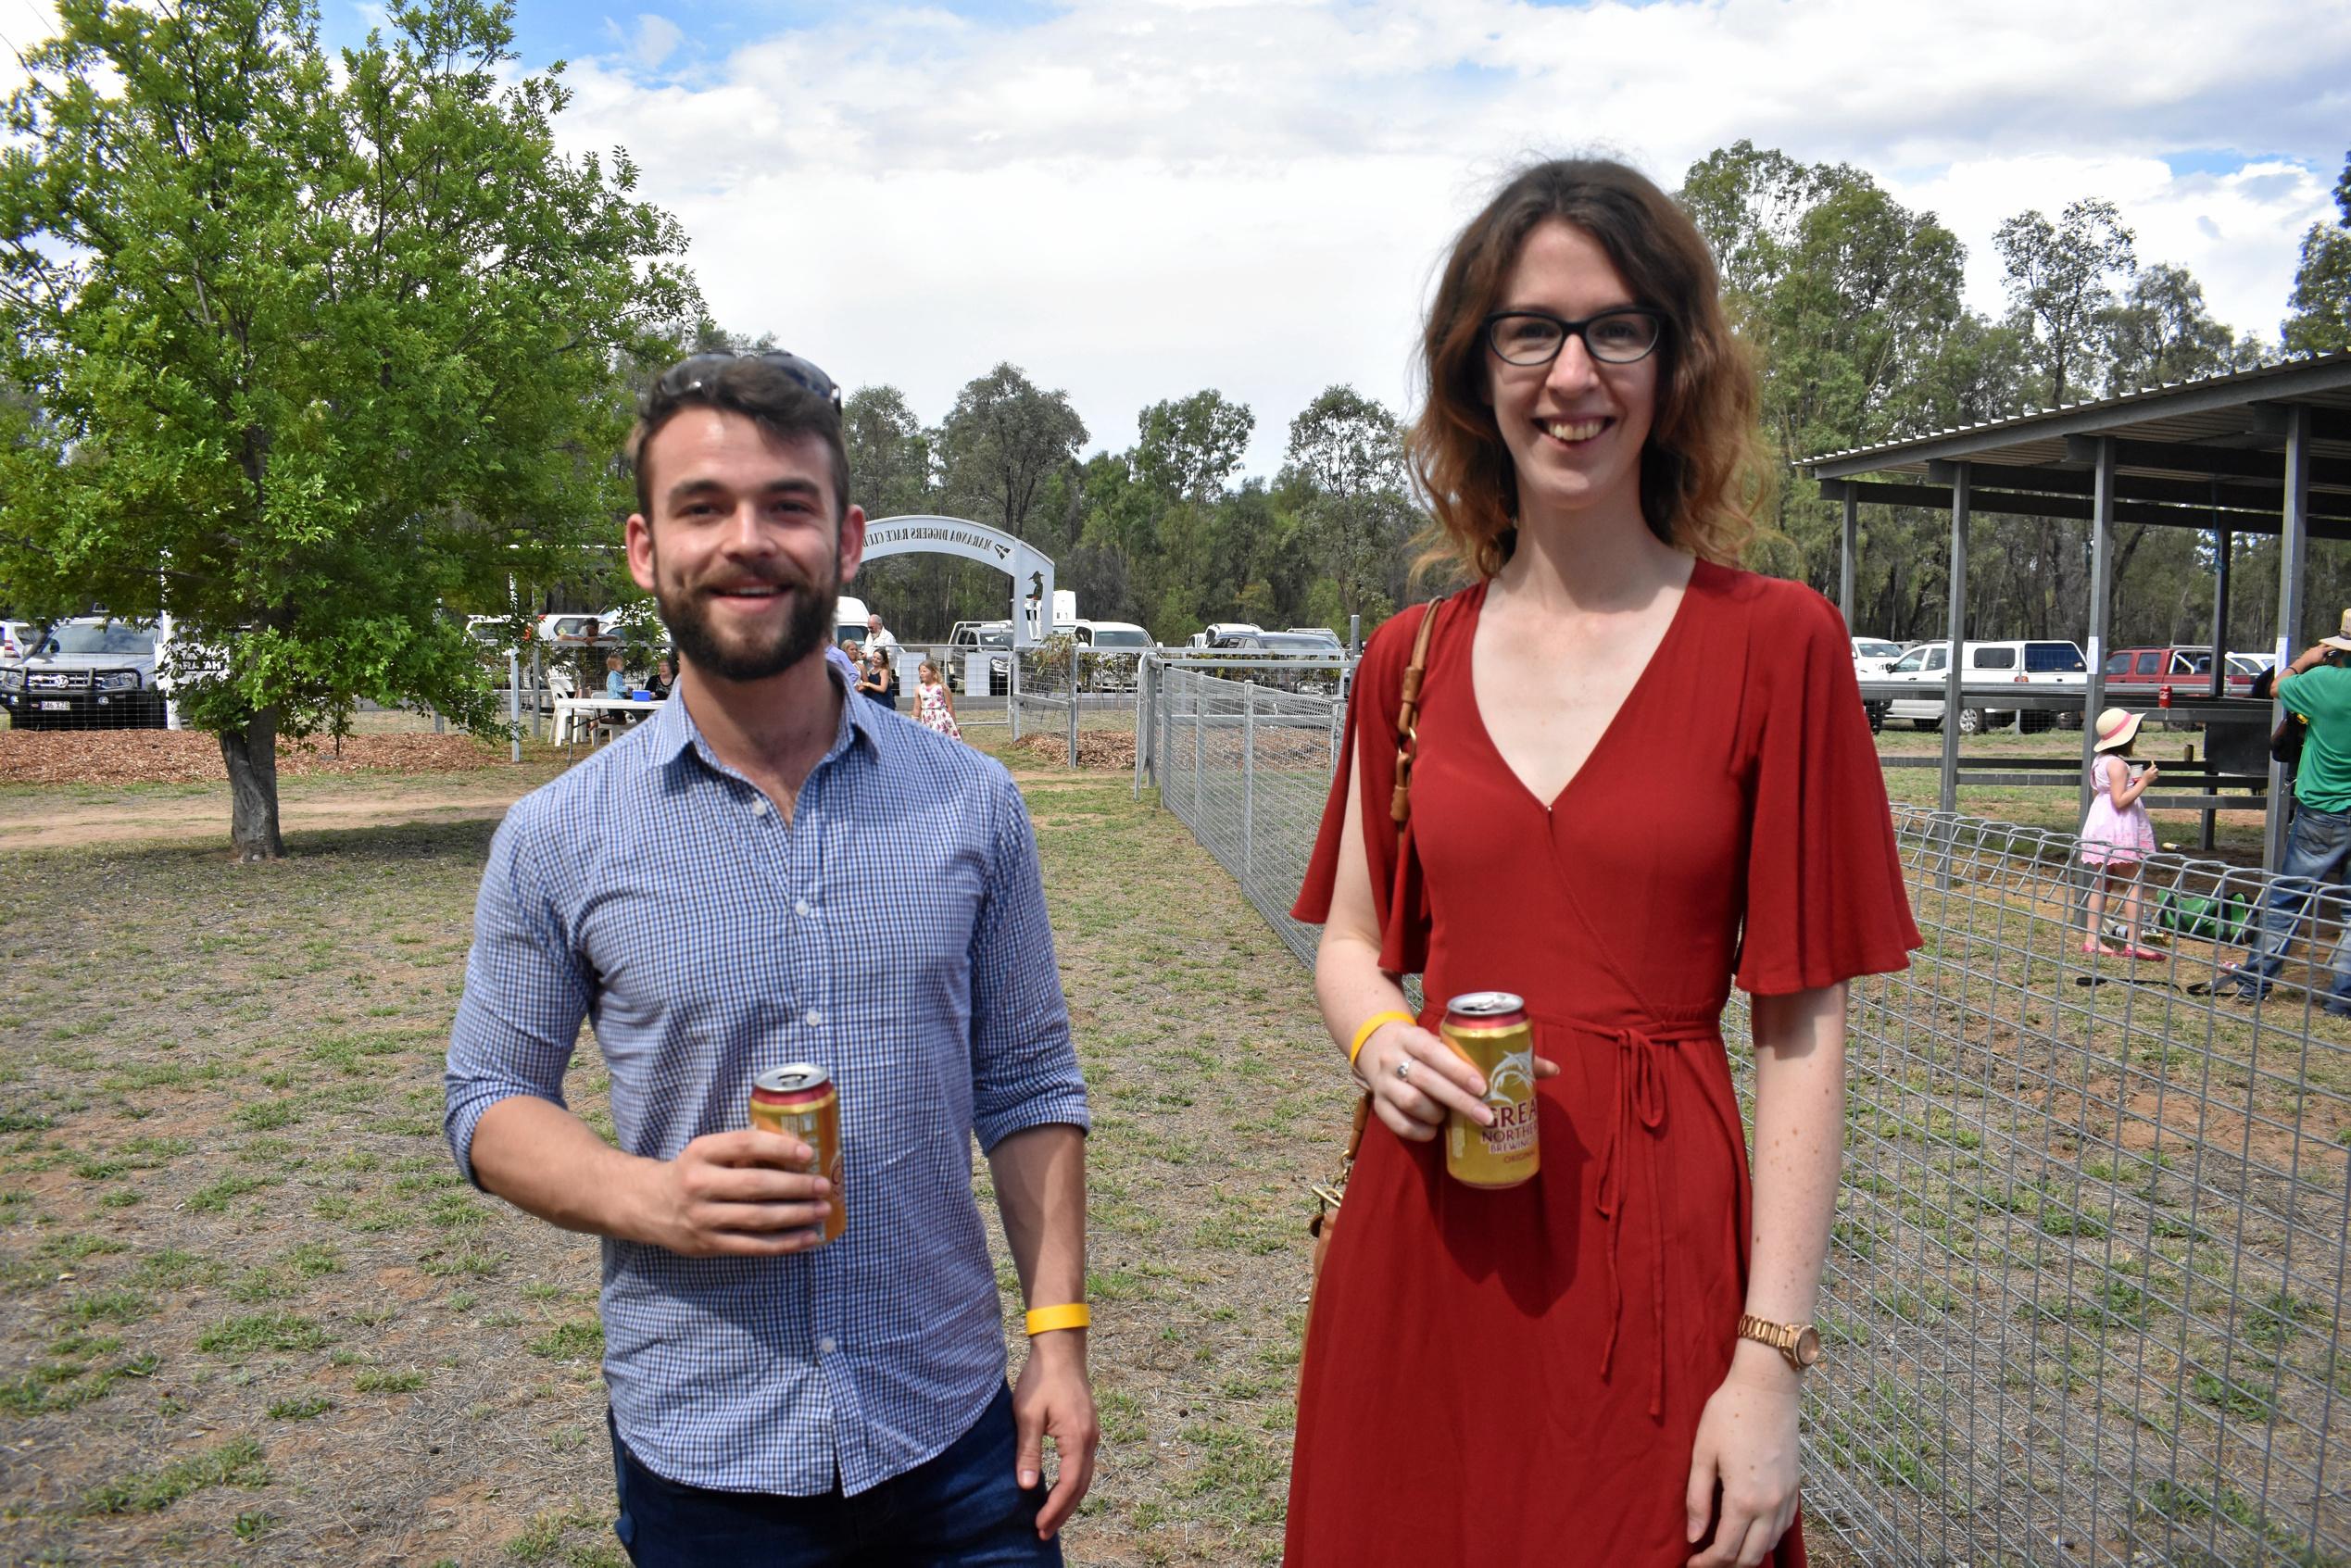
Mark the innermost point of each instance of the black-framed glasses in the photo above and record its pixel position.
(698, 370)
(1613, 337)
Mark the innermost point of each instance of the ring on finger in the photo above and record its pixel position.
(1405, 1068)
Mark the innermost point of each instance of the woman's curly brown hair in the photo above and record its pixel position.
(1703, 476)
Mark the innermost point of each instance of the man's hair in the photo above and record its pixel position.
(1704, 477)
(759, 391)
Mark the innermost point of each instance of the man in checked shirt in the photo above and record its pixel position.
(735, 887)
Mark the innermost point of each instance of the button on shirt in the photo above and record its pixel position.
(893, 932)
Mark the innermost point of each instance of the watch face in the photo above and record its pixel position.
(1807, 1346)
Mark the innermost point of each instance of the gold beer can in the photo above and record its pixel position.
(799, 1102)
(1490, 1031)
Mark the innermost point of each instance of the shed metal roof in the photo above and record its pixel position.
(2193, 455)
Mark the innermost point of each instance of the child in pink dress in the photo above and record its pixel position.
(933, 705)
(2116, 834)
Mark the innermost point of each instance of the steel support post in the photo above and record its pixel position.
(2293, 551)
(514, 706)
(1012, 693)
(2093, 694)
(1248, 783)
(1845, 560)
(1073, 708)
(1948, 794)
(2224, 548)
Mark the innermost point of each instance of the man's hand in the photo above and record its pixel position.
(1053, 1400)
(745, 1194)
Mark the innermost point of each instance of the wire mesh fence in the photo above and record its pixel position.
(2085, 1287)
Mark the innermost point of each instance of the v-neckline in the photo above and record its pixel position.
(1607, 731)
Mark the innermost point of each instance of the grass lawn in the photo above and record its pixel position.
(248, 1311)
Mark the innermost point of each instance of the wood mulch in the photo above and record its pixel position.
(1106, 750)
(118, 757)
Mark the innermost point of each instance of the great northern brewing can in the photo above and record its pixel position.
(1490, 1031)
(799, 1102)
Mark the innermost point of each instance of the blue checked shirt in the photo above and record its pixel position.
(895, 932)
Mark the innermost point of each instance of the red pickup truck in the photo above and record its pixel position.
(2186, 672)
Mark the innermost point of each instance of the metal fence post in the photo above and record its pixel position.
(1013, 695)
(1199, 748)
(1073, 708)
(1249, 785)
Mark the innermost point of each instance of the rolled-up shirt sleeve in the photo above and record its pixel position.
(1024, 1070)
(525, 991)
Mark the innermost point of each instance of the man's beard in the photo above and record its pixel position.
(805, 630)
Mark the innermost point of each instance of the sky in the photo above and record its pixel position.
(1135, 199)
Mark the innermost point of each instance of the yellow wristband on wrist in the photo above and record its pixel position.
(1045, 1320)
(1374, 1022)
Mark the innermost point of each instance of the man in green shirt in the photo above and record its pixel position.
(2316, 688)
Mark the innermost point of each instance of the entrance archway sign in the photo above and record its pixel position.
(1030, 569)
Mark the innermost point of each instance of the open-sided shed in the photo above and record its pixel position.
(2264, 451)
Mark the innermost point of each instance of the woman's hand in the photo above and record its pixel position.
(1435, 1081)
(1747, 1446)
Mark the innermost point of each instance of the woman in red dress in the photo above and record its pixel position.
(1640, 777)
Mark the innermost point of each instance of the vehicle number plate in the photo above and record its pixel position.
(57, 708)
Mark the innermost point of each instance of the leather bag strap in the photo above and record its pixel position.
(1400, 803)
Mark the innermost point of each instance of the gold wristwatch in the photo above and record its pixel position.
(1798, 1342)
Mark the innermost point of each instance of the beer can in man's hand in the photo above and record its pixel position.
(1490, 1031)
(800, 1102)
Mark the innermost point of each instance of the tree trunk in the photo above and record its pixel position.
(252, 757)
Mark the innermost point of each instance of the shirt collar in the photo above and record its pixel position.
(675, 733)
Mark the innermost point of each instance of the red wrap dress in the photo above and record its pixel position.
(1514, 1379)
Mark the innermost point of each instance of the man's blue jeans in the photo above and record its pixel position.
(2318, 846)
(962, 1510)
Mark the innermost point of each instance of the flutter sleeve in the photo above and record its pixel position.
(1370, 739)
(1825, 894)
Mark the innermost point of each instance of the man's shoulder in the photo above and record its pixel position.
(606, 779)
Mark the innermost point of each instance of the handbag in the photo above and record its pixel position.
(1329, 1194)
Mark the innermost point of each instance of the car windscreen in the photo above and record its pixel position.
(999, 639)
(2054, 658)
(1106, 638)
(1877, 650)
(101, 640)
(1287, 642)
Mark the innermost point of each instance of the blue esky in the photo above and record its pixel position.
(1133, 200)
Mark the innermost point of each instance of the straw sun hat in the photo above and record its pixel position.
(2116, 726)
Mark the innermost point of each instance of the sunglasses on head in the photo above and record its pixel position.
(698, 371)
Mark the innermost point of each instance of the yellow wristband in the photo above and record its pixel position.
(1045, 1320)
(1374, 1022)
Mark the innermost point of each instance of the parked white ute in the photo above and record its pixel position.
(2037, 662)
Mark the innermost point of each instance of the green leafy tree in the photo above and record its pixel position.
(999, 442)
(2060, 283)
(1345, 473)
(1191, 447)
(2161, 332)
(2322, 298)
(319, 349)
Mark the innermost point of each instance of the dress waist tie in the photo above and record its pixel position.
(1641, 1099)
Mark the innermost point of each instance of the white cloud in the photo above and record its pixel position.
(1135, 198)
(656, 40)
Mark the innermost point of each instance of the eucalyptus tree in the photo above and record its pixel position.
(2321, 299)
(1000, 441)
(319, 348)
(2060, 282)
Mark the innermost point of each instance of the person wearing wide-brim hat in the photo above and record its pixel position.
(2116, 834)
(2316, 688)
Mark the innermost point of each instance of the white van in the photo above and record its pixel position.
(2035, 662)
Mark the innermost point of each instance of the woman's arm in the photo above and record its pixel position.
(1352, 987)
(1747, 1435)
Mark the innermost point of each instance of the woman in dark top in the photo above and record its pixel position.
(880, 681)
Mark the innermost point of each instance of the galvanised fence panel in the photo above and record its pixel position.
(2085, 1287)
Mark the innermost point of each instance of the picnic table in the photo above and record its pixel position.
(573, 714)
